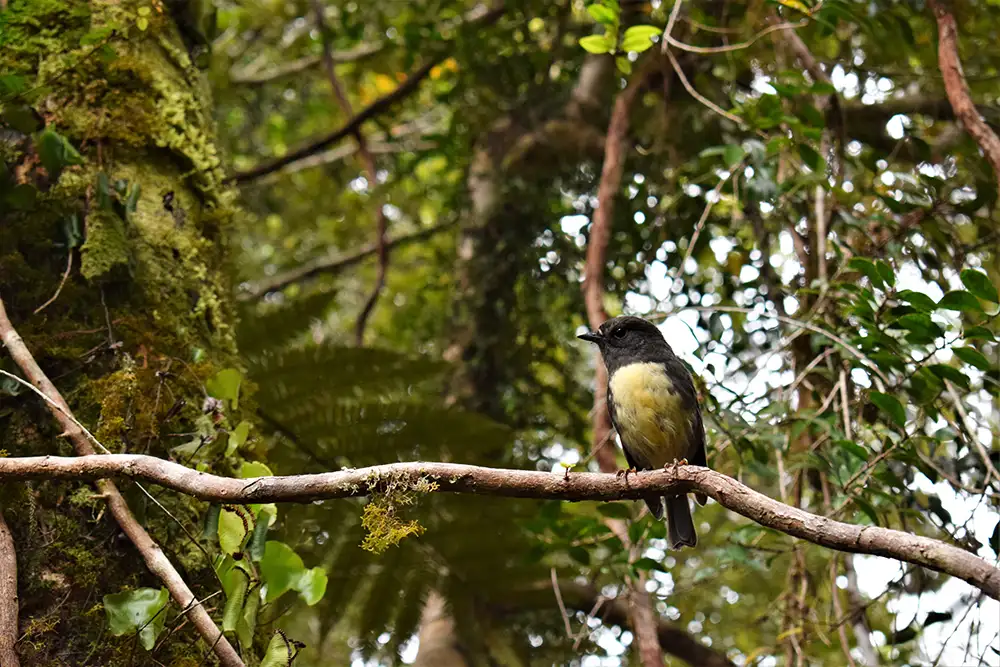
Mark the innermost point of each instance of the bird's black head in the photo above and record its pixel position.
(625, 340)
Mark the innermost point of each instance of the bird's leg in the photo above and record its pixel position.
(676, 464)
(625, 473)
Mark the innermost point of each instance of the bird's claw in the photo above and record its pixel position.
(625, 473)
(676, 464)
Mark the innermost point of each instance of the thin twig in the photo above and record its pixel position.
(368, 161)
(735, 47)
(559, 601)
(69, 268)
(698, 96)
(710, 202)
(8, 597)
(152, 554)
(332, 264)
(971, 428)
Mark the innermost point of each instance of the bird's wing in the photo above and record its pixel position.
(696, 435)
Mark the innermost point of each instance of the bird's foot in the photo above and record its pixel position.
(625, 473)
(676, 464)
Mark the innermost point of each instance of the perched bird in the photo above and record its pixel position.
(654, 408)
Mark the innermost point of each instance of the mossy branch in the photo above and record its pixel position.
(457, 478)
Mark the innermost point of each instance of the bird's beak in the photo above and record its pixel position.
(592, 337)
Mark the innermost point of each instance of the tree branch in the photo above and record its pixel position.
(957, 88)
(155, 559)
(368, 162)
(8, 598)
(376, 108)
(457, 478)
(255, 76)
(333, 264)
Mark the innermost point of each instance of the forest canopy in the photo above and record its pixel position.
(290, 294)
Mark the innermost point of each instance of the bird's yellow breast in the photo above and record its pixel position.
(651, 418)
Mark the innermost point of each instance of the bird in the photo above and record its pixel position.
(654, 408)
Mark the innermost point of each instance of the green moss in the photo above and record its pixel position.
(119, 339)
(381, 516)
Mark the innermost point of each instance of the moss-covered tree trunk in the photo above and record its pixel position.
(109, 178)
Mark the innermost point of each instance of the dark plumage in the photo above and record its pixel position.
(654, 408)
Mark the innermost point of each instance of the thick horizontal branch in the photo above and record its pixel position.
(332, 264)
(457, 478)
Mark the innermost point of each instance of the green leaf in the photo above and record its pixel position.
(854, 449)
(235, 525)
(891, 406)
(868, 509)
(886, 273)
(946, 372)
(246, 625)
(814, 161)
(646, 564)
(972, 357)
(624, 65)
(280, 568)
(960, 300)
(580, 555)
(732, 154)
(614, 510)
(56, 152)
(140, 610)
(597, 44)
(312, 585)
(603, 14)
(921, 324)
(237, 438)
(638, 38)
(237, 584)
(225, 385)
(258, 541)
(281, 651)
(979, 284)
(978, 333)
(918, 300)
(22, 118)
(211, 529)
(862, 265)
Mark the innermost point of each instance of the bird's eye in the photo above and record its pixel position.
(619, 333)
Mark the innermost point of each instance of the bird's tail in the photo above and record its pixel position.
(655, 505)
(680, 527)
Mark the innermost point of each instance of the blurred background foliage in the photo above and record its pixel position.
(845, 361)
(838, 308)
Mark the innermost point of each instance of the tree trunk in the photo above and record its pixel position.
(112, 215)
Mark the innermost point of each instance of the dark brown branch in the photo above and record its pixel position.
(373, 110)
(368, 161)
(957, 88)
(457, 478)
(8, 597)
(155, 559)
(334, 264)
(256, 77)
